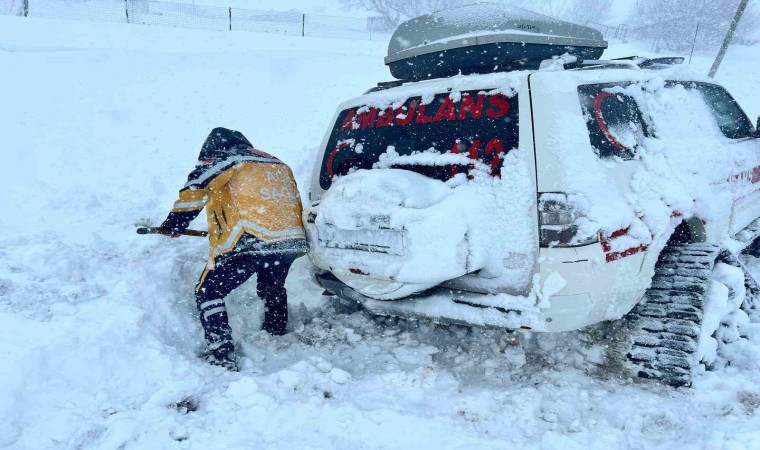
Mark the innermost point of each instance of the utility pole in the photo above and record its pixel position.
(694, 44)
(729, 36)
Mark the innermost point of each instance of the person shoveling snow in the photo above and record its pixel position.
(254, 217)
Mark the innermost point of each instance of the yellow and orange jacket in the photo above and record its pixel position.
(247, 194)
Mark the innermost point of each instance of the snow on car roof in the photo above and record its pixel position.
(511, 81)
(506, 81)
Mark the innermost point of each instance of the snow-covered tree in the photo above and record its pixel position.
(579, 11)
(673, 23)
(394, 11)
(12, 7)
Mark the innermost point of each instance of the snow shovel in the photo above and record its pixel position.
(165, 232)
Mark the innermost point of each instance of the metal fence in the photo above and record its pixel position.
(185, 15)
(609, 31)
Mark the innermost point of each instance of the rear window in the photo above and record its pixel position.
(615, 123)
(439, 138)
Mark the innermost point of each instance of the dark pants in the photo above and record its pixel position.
(232, 271)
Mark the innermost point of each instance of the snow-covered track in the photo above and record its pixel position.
(670, 332)
(667, 322)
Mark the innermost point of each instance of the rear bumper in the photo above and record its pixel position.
(595, 290)
(466, 308)
(438, 304)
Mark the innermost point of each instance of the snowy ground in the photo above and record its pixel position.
(100, 125)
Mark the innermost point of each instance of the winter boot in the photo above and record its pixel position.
(221, 354)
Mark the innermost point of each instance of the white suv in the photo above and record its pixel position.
(548, 199)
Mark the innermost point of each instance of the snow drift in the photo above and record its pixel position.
(100, 125)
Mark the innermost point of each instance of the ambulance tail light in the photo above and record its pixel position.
(561, 224)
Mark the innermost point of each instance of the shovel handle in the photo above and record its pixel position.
(165, 232)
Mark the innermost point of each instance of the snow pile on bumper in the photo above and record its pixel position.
(390, 233)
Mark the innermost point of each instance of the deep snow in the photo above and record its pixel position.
(100, 125)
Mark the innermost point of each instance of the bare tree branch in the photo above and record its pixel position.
(389, 10)
(672, 23)
(394, 11)
(12, 7)
(578, 11)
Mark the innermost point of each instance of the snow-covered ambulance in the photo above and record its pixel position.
(511, 178)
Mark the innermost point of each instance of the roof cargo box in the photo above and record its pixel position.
(483, 38)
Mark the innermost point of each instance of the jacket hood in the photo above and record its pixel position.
(222, 143)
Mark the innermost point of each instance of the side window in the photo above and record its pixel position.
(731, 120)
(614, 121)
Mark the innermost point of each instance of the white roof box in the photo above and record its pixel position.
(482, 38)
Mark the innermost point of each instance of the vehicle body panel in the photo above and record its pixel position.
(600, 282)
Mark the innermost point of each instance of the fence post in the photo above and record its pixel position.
(230, 11)
(126, 9)
(26, 8)
(303, 25)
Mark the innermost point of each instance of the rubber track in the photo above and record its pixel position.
(667, 322)
(749, 238)
(753, 289)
